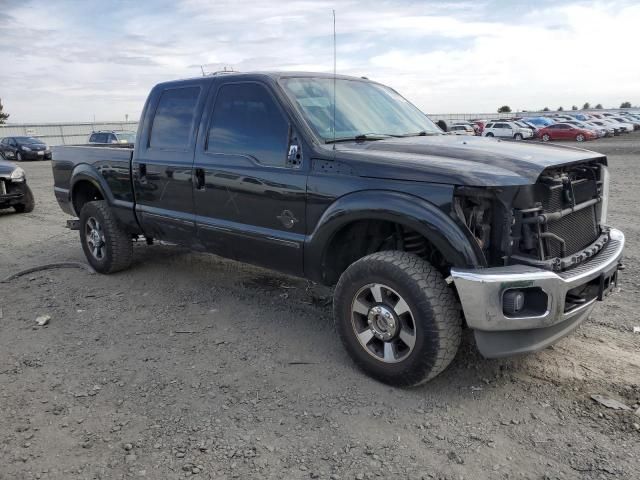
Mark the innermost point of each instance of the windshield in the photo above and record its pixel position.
(361, 108)
(126, 137)
(27, 140)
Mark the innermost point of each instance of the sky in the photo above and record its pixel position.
(70, 60)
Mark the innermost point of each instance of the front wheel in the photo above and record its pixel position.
(29, 202)
(18, 157)
(397, 318)
(106, 245)
(546, 137)
(579, 138)
(518, 136)
(489, 134)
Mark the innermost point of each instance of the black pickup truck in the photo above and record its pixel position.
(341, 180)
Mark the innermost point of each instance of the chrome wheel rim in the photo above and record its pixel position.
(579, 138)
(545, 138)
(94, 235)
(383, 323)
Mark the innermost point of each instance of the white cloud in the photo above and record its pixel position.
(68, 63)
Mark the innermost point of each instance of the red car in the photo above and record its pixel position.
(565, 131)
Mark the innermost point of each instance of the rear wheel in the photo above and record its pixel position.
(546, 137)
(397, 318)
(29, 202)
(107, 246)
(580, 138)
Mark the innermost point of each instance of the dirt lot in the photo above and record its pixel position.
(188, 364)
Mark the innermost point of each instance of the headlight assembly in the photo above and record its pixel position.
(17, 175)
(26, 149)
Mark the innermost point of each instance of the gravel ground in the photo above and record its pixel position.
(191, 365)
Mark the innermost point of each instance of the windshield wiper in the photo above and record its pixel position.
(363, 137)
(422, 133)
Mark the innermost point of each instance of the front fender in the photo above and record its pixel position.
(408, 210)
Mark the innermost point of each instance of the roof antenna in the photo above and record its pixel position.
(334, 79)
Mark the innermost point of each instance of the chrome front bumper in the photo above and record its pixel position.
(481, 292)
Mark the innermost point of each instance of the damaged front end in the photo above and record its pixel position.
(554, 224)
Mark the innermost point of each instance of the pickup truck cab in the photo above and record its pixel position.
(342, 181)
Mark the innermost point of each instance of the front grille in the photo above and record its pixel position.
(578, 229)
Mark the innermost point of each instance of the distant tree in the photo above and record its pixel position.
(3, 116)
(622, 105)
(545, 109)
(586, 106)
(599, 106)
(574, 107)
(560, 109)
(504, 109)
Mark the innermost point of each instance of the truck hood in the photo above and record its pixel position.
(449, 159)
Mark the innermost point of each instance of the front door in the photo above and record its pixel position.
(249, 193)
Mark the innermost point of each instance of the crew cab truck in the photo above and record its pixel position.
(342, 181)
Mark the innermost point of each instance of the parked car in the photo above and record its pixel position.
(506, 130)
(480, 124)
(472, 125)
(566, 131)
(14, 191)
(610, 131)
(635, 124)
(113, 136)
(462, 130)
(539, 121)
(523, 124)
(414, 227)
(601, 132)
(24, 148)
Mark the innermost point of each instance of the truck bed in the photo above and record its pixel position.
(109, 163)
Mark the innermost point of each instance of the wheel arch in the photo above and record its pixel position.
(87, 185)
(409, 211)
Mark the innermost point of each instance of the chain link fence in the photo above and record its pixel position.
(62, 133)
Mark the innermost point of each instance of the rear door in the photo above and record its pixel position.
(163, 161)
(249, 192)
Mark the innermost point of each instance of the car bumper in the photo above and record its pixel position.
(498, 335)
(11, 193)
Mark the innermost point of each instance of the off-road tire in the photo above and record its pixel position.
(29, 202)
(118, 244)
(436, 312)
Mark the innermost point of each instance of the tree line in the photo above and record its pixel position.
(586, 106)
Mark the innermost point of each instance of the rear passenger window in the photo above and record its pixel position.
(247, 121)
(174, 118)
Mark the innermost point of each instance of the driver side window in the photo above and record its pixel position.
(247, 121)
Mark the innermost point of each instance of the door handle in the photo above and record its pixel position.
(143, 173)
(200, 185)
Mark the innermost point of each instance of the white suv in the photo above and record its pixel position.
(506, 130)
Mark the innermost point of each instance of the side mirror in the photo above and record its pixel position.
(293, 154)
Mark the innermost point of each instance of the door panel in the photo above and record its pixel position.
(249, 204)
(162, 166)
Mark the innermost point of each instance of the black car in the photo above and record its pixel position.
(24, 148)
(14, 191)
